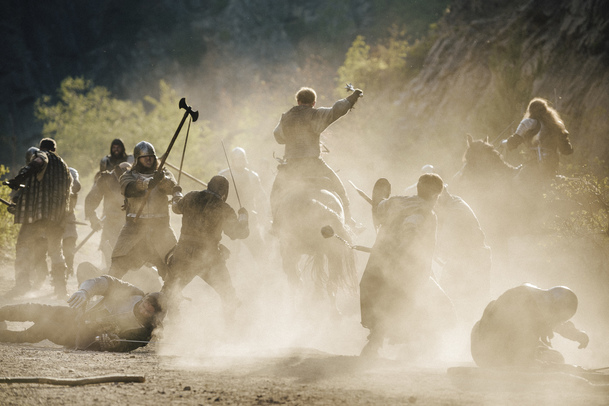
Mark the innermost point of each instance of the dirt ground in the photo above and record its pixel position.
(268, 361)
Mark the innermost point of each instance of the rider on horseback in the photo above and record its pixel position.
(543, 131)
(299, 130)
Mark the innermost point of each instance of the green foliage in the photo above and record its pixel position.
(590, 214)
(8, 230)
(86, 118)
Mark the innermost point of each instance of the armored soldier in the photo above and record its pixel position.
(251, 196)
(107, 188)
(205, 215)
(117, 155)
(122, 319)
(41, 207)
(149, 238)
(299, 130)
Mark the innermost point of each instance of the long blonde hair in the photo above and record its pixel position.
(539, 109)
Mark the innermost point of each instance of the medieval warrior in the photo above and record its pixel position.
(122, 319)
(397, 293)
(205, 215)
(107, 188)
(299, 130)
(41, 207)
(117, 155)
(516, 329)
(252, 196)
(149, 237)
(544, 133)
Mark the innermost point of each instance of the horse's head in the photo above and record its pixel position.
(482, 157)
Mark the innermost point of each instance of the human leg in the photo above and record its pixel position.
(218, 277)
(123, 264)
(27, 234)
(55, 323)
(54, 234)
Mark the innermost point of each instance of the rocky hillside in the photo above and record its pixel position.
(489, 59)
(492, 57)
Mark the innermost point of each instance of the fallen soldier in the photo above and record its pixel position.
(516, 329)
(122, 320)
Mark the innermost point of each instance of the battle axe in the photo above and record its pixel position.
(195, 116)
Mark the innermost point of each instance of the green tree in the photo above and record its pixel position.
(84, 119)
(8, 229)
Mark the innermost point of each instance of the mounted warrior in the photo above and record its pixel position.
(299, 130)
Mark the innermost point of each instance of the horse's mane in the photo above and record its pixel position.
(481, 156)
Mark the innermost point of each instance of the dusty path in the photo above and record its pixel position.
(194, 363)
(296, 377)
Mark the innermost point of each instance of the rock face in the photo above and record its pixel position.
(489, 59)
(492, 57)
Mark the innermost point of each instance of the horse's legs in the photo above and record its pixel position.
(334, 271)
(290, 266)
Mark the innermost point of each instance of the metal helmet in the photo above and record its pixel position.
(143, 148)
(30, 154)
(239, 158)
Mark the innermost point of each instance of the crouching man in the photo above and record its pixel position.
(516, 329)
(121, 320)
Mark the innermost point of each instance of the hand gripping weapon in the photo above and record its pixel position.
(195, 116)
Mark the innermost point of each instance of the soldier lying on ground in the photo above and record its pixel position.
(515, 329)
(122, 320)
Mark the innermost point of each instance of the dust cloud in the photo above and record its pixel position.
(274, 318)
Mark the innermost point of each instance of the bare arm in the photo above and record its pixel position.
(569, 331)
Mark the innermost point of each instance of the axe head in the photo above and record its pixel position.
(194, 114)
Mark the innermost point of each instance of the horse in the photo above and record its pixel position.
(510, 201)
(514, 199)
(304, 208)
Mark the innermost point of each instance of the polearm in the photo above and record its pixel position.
(183, 153)
(188, 175)
(195, 115)
(231, 174)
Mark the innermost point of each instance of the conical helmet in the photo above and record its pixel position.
(143, 148)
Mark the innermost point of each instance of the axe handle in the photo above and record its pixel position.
(160, 168)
